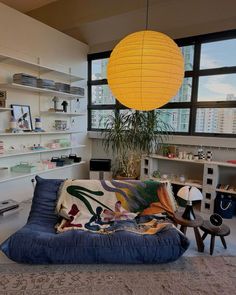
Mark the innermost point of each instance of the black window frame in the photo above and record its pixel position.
(195, 73)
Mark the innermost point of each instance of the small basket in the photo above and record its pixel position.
(59, 162)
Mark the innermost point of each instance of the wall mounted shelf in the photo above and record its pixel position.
(30, 152)
(14, 176)
(5, 110)
(41, 90)
(64, 73)
(62, 114)
(39, 133)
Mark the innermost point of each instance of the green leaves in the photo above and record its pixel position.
(82, 194)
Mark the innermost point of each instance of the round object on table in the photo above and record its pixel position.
(216, 219)
(209, 228)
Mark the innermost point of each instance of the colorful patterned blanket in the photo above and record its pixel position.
(107, 206)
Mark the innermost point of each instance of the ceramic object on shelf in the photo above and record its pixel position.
(182, 179)
(38, 125)
(55, 103)
(164, 177)
(64, 105)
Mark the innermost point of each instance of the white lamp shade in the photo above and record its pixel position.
(194, 194)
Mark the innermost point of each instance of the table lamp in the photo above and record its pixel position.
(189, 194)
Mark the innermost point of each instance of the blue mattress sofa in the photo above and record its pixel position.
(38, 243)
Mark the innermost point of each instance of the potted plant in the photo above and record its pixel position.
(129, 135)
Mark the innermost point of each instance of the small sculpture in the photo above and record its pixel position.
(56, 103)
(64, 105)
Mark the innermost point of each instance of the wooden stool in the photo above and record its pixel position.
(214, 231)
(184, 224)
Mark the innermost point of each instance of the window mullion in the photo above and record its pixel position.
(196, 66)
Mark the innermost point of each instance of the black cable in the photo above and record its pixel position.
(147, 10)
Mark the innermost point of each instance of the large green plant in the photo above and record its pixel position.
(129, 135)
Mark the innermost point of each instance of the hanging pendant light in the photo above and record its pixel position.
(145, 70)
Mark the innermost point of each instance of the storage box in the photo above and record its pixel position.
(67, 160)
(100, 165)
(59, 162)
(75, 158)
(24, 167)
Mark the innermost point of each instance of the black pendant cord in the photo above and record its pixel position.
(147, 11)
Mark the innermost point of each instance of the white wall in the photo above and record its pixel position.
(25, 38)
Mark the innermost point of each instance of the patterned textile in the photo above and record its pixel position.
(108, 206)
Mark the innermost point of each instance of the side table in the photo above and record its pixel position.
(195, 224)
(214, 231)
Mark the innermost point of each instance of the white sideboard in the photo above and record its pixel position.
(205, 175)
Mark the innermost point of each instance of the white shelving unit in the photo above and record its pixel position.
(41, 90)
(46, 150)
(207, 181)
(63, 74)
(13, 176)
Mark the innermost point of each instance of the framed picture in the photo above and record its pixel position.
(22, 115)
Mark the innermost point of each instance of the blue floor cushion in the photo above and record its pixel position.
(38, 243)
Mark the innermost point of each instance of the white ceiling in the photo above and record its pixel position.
(26, 5)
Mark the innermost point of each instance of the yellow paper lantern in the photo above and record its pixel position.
(145, 70)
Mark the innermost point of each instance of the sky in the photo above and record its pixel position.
(215, 55)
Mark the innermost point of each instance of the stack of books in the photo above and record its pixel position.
(8, 206)
(62, 87)
(45, 83)
(25, 79)
(1, 147)
(77, 90)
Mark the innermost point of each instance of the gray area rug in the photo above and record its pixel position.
(188, 275)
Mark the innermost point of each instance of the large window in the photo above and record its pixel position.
(206, 101)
